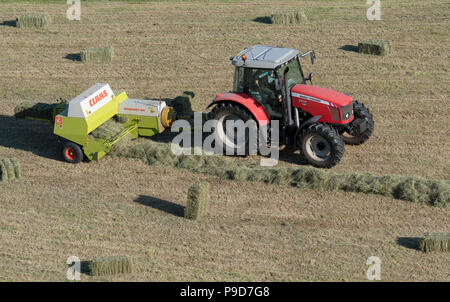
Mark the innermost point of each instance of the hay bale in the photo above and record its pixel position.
(3, 172)
(97, 55)
(197, 200)
(9, 169)
(16, 166)
(182, 104)
(435, 242)
(111, 265)
(289, 17)
(38, 110)
(33, 20)
(375, 47)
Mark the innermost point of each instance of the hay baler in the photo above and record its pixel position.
(77, 122)
(98, 105)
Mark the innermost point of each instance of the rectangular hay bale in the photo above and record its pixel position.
(9, 169)
(36, 110)
(97, 55)
(33, 20)
(197, 200)
(110, 265)
(289, 17)
(435, 242)
(375, 47)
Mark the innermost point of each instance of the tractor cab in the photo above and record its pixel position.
(259, 73)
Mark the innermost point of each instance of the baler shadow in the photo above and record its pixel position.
(76, 57)
(264, 20)
(349, 48)
(409, 242)
(161, 205)
(11, 23)
(29, 135)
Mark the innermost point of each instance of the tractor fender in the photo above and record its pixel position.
(255, 108)
(309, 121)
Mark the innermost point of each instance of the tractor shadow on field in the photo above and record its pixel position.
(29, 135)
(11, 23)
(76, 57)
(352, 48)
(409, 242)
(264, 20)
(161, 205)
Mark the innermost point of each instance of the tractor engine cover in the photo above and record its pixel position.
(330, 105)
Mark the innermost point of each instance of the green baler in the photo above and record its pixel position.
(77, 121)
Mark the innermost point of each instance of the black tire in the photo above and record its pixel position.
(361, 112)
(240, 146)
(321, 145)
(72, 153)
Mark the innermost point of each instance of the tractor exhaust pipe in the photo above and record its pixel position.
(287, 93)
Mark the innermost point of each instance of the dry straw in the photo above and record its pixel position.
(375, 47)
(414, 189)
(33, 20)
(289, 17)
(97, 55)
(435, 242)
(111, 265)
(197, 200)
(9, 169)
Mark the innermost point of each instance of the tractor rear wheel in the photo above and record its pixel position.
(235, 141)
(72, 153)
(351, 137)
(322, 146)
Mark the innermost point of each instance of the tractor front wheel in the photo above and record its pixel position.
(362, 114)
(322, 146)
(72, 153)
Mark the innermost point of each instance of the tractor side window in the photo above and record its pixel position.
(239, 84)
(294, 75)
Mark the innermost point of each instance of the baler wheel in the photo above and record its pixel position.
(72, 153)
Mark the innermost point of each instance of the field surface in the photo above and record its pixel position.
(254, 231)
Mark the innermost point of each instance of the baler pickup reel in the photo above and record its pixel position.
(93, 122)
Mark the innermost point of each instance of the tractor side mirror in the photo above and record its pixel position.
(313, 57)
(310, 77)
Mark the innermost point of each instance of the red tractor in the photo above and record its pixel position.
(269, 84)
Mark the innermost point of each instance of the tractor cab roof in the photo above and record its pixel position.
(263, 56)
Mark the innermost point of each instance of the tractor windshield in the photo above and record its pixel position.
(295, 75)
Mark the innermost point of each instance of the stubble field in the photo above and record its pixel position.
(254, 231)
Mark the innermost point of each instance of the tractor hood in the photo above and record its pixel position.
(321, 95)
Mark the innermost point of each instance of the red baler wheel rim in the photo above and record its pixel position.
(71, 154)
